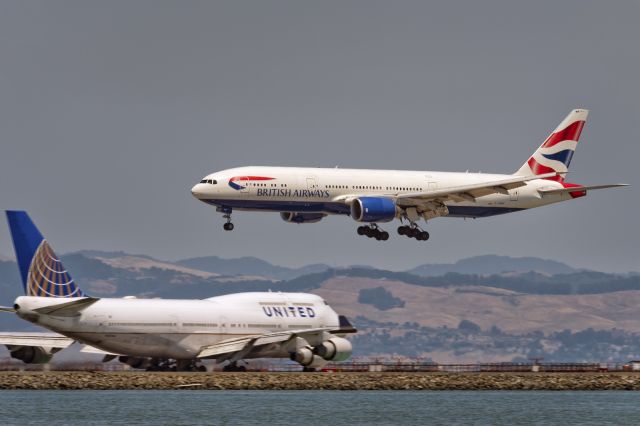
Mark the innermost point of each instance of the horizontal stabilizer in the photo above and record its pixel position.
(43, 340)
(68, 309)
(581, 188)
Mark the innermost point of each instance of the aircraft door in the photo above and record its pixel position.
(432, 186)
(312, 183)
(224, 325)
(513, 195)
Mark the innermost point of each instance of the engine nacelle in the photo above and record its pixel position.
(301, 217)
(334, 349)
(305, 357)
(373, 209)
(31, 354)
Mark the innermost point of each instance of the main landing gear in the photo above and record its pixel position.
(372, 231)
(413, 232)
(234, 367)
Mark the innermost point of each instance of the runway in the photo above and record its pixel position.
(320, 381)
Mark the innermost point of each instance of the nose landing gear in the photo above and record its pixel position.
(373, 231)
(228, 226)
(413, 231)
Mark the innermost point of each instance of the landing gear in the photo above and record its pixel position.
(373, 231)
(227, 215)
(234, 367)
(160, 364)
(413, 232)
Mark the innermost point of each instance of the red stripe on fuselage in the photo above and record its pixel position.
(237, 178)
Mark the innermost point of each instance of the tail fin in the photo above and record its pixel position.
(555, 154)
(42, 272)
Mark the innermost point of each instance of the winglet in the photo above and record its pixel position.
(345, 325)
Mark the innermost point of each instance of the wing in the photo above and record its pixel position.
(241, 347)
(43, 340)
(467, 193)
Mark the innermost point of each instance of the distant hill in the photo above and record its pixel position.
(249, 266)
(493, 264)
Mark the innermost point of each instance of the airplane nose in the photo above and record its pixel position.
(197, 191)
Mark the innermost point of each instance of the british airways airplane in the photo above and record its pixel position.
(306, 195)
(161, 333)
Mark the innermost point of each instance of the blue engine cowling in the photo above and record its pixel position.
(373, 209)
(301, 217)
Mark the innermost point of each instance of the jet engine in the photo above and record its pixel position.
(305, 357)
(334, 349)
(373, 209)
(31, 354)
(301, 217)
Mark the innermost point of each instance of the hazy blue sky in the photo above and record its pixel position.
(111, 111)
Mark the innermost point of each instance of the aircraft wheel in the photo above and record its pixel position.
(384, 235)
(361, 230)
(424, 235)
(402, 230)
(228, 226)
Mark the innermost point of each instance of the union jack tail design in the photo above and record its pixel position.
(555, 154)
(41, 270)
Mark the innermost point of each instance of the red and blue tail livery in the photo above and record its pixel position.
(555, 154)
(42, 272)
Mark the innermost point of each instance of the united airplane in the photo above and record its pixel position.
(163, 333)
(307, 195)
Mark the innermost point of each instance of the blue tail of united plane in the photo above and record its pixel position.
(41, 270)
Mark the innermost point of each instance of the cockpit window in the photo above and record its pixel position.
(209, 181)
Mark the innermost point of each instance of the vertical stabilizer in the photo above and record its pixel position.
(41, 271)
(555, 154)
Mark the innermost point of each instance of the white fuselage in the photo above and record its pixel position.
(179, 329)
(328, 191)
